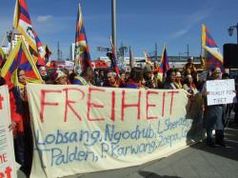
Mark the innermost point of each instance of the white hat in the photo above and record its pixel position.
(189, 76)
(178, 74)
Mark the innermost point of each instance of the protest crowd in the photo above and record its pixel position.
(138, 78)
(16, 68)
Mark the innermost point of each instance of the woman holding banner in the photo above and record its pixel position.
(23, 143)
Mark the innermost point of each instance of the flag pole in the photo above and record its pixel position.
(114, 40)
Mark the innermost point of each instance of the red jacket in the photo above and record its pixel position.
(16, 116)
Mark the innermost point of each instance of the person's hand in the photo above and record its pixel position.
(12, 126)
(205, 93)
(189, 95)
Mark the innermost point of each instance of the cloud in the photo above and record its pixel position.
(44, 19)
(181, 32)
(191, 21)
(49, 25)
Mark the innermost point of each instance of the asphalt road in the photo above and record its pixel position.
(197, 161)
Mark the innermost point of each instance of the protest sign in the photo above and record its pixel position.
(79, 129)
(220, 92)
(6, 139)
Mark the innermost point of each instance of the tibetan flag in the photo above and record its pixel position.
(164, 63)
(22, 22)
(20, 58)
(82, 55)
(2, 57)
(113, 58)
(40, 51)
(210, 50)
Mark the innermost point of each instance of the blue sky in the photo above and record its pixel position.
(140, 23)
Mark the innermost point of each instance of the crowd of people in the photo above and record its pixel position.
(148, 77)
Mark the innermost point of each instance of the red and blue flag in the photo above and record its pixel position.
(22, 22)
(41, 51)
(210, 50)
(82, 55)
(20, 58)
(164, 63)
(113, 59)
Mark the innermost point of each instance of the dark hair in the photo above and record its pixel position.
(19, 70)
(86, 72)
(225, 76)
(169, 72)
(212, 69)
(136, 74)
(2, 81)
(72, 76)
(122, 71)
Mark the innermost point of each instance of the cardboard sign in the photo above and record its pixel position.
(7, 158)
(221, 92)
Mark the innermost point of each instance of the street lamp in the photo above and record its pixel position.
(231, 30)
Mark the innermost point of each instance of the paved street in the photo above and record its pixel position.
(198, 161)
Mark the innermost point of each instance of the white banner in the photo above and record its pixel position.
(79, 129)
(7, 158)
(220, 92)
